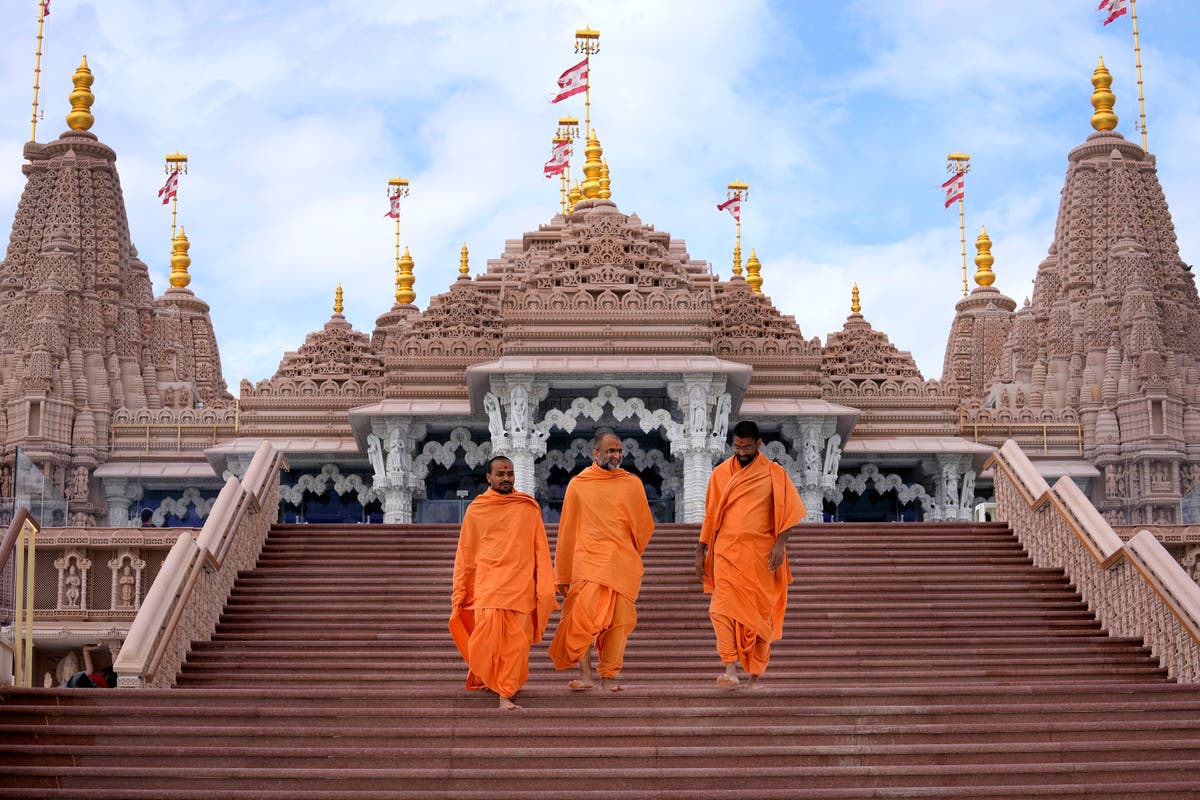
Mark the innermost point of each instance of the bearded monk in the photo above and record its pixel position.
(741, 558)
(503, 589)
(605, 526)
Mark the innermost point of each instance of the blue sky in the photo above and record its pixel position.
(838, 114)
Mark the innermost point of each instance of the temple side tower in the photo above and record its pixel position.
(81, 335)
(1111, 338)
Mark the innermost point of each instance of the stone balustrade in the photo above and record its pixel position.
(186, 599)
(1136, 588)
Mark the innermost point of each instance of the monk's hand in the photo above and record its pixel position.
(562, 588)
(701, 555)
(778, 556)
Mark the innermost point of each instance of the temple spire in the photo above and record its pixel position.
(593, 166)
(80, 117)
(180, 261)
(753, 267)
(405, 279)
(464, 264)
(1103, 99)
(984, 259)
(855, 306)
(337, 300)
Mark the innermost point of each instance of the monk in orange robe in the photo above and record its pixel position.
(742, 559)
(605, 527)
(503, 585)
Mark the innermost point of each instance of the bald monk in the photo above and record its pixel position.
(604, 529)
(503, 589)
(741, 558)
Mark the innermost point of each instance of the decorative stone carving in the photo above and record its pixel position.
(870, 474)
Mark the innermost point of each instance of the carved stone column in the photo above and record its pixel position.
(948, 499)
(119, 495)
(818, 454)
(694, 444)
(396, 439)
(519, 440)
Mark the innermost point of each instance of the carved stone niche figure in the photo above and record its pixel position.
(812, 456)
(395, 455)
(491, 405)
(697, 410)
(950, 481)
(721, 418)
(126, 581)
(79, 484)
(375, 456)
(1110, 482)
(833, 454)
(519, 413)
(72, 582)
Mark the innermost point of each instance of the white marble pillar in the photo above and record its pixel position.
(398, 437)
(119, 495)
(518, 440)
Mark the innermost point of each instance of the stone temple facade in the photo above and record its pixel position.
(595, 318)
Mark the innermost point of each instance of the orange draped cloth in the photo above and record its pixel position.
(605, 527)
(746, 509)
(503, 590)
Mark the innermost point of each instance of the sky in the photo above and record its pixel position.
(839, 115)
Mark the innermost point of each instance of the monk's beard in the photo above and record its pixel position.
(744, 461)
(608, 465)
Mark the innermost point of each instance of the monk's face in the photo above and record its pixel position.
(502, 478)
(608, 453)
(745, 449)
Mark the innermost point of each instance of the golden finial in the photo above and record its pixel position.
(337, 299)
(180, 261)
(1103, 99)
(464, 265)
(574, 196)
(855, 306)
(984, 259)
(605, 184)
(737, 258)
(753, 267)
(80, 117)
(404, 282)
(593, 165)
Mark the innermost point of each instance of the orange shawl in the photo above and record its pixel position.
(503, 561)
(605, 527)
(743, 587)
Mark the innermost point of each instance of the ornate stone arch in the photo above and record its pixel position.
(446, 453)
(870, 474)
(329, 477)
(593, 409)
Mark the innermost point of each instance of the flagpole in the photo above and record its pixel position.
(37, 70)
(568, 129)
(961, 166)
(176, 162)
(397, 187)
(587, 41)
(1137, 51)
(740, 191)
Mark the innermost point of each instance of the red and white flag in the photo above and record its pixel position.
(560, 158)
(45, 8)
(1113, 8)
(393, 206)
(734, 206)
(170, 188)
(573, 81)
(955, 188)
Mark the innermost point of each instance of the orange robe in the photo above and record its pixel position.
(746, 509)
(605, 526)
(503, 589)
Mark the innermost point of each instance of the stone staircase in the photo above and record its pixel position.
(919, 661)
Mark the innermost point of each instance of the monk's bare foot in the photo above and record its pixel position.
(755, 683)
(578, 685)
(611, 685)
(506, 704)
(728, 681)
